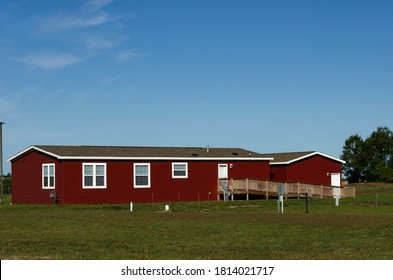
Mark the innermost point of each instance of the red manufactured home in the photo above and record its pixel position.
(102, 174)
(306, 167)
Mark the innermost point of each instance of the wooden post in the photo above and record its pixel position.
(247, 189)
(218, 189)
(307, 201)
(1, 164)
(267, 190)
(321, 191)
(298, 190)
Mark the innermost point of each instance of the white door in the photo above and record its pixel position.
(336, 180)
(222, 171)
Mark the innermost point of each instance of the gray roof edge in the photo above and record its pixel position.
(232, 153)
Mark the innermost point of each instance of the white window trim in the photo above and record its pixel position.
(54, 176)
(173, 170)
(148, 178)
(94, 176)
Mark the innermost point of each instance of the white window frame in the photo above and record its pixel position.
(148, 176)
(173, 170)
(94, 185)
(48, 165)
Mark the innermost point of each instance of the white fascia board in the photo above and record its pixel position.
(306, 156)
(332, 158)
(278, 163)
(164, 158)
(33, 148)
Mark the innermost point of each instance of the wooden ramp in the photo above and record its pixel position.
(229, 188)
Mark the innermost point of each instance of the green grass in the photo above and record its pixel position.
(360, 228)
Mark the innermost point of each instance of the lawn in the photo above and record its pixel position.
(360, 228)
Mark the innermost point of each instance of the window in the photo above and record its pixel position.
(141, 175)
(94, 175)
(179, 170)
(48, 176)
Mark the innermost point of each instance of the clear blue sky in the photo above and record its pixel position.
(269, 76)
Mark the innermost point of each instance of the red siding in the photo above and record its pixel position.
(27, 179)
(278, 173)
(253, 170)
(201, 182)
(313, 170)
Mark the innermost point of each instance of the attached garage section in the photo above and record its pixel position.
(306, 167)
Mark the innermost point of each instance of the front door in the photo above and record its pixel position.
(223, 180)
(336, 180)
(223, 171)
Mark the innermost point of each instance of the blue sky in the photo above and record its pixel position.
(269, 76)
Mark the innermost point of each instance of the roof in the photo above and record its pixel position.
(138, 153)
(290, 157)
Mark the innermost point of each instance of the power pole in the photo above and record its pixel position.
(1, 162)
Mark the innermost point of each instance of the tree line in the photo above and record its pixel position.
(7, 183)
(370, 159)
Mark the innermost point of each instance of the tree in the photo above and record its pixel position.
(379, 151)
(7, 183)
(352, 155)
(369, 160)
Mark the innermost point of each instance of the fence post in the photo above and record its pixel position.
(321, 191)
(307, 201)
(247, 189)
(218, 189)
(298, 190)
(267, 190)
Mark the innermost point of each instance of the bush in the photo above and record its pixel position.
(7, 184)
